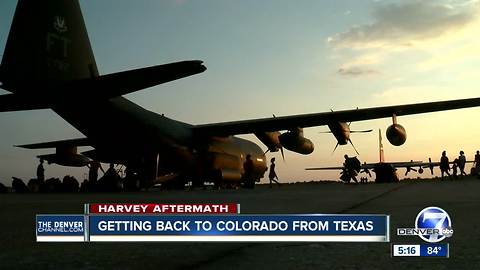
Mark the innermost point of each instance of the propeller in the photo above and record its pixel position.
(351, 131)
(335, 148)
(353, 146)
(350, 141)
(281, 151)
(340, 127)
(361, 131)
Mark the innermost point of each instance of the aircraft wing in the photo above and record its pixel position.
(55, 144)
(394, 164)
(435, 164)
(368, 166)
(324, 168)
(318, 119)
(406, 164)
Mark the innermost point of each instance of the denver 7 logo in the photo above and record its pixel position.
(438, 220)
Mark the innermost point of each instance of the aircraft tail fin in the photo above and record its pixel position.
(48, 44)
(380, 146)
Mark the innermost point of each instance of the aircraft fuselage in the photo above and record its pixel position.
(123, 132)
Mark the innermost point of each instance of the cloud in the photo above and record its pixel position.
(417, 92)
(356, 71)
(406, 23)
(423, 35)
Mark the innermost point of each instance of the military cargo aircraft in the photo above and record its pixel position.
(384, 171)
(48, 63)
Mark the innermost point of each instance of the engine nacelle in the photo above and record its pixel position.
(295, 142)
(270, 139)
(70, 160)
(396, 134)
(66, 156)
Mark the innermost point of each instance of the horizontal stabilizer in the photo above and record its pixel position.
(14, 102)
(120, 83)
(100, 87)
(57, 144)
(73, 160)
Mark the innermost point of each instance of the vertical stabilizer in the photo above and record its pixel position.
(380, 146)
(47, 44)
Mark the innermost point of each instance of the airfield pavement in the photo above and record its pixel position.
(403, 201)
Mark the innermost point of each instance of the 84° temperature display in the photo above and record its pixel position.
(421, 250)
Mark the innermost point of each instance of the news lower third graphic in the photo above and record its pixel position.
(433, 225)
(61, 228)
(421, 250)
(205, 223)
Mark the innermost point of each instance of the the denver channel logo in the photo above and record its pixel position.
(433, 224)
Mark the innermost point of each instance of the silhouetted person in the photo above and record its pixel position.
(477, 162)
(350, 165)
(454, 168)
(366, 170)
(70, 184)
(19, 186)
(409, 169)
(53, 185)
(34, 185)
(344, 176)
(444, 164)
(272, 174)
(248, 172)
(461, 161)
(41, 172)
(3, 188)
(131, 181)
(111, 172)
(84, 186)
(93, 167)
(110, 179)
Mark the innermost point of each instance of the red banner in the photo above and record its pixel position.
(154, 208)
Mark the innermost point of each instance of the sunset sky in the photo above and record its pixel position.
(283, 58)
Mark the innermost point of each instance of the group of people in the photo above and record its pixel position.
(458, 164)
(110, 181)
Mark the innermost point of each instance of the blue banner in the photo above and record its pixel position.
(60, 225)
(264, 225)
(434, 250)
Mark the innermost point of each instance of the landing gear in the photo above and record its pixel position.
(177, 183)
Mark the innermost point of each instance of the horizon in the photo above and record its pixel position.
(282, 58)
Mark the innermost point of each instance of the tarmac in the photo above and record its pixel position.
(403, 201)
